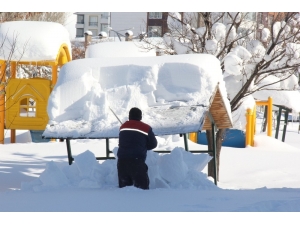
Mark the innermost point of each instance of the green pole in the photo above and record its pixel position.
(70, 158)
(107, 147)
(185, 142)
(278, 122)
(214, 151)
(286, 115)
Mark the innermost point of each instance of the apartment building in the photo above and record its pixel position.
(152, 23)
(92, 21)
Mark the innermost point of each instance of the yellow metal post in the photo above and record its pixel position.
(269, 119)
(268, 103)
(2, 101)
(252, 128)
(253, 125)
(254, 119)
(54, 76)
(193, 137)
(13, 69)
(248, 126)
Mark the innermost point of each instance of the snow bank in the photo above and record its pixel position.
(172, 91)
(118, 49)
(288, 99)
(176, 170)
(35, 40)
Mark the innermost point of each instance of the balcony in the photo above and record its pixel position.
(93, 24)
(104, 15)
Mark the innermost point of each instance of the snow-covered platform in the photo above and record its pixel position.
(175, 94)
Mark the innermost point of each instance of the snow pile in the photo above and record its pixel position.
(173, 92)
(34, 40)
(176, 170)
(117, 49)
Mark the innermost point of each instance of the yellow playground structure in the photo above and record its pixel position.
(23, 102)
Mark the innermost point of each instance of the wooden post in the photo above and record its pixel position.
(87, 39)
(13, 73)
(12, 136)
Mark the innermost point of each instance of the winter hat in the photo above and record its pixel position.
(135, 114)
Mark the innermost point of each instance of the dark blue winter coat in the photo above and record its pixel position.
(135, 138)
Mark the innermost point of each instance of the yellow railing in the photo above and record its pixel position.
(251, 121)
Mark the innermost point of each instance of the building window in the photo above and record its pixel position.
(93, 21)
(27, 107)
(104, 15)
(94, 32)
(154, 31)
(79, 32)
(270, 20)
(155, 15)
(80, 19)
(260, 18)
(104, 27)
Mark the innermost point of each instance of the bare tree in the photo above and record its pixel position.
(5, 71)
(58, 17)
(275, 54)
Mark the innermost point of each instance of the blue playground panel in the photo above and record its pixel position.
(233, 138)
(36, 136)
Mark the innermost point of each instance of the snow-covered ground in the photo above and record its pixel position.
(35, 177)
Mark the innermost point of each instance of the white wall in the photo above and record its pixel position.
(70, 24)
(127, 20)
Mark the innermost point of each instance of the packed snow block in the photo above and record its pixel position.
(93, 95)
(172, 167)
(85, 168)
(233, 138)
(53, 176)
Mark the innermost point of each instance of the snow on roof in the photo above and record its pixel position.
(35, 40)
(117, 49)
(173, 93)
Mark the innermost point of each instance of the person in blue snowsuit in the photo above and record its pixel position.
(135, 139)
